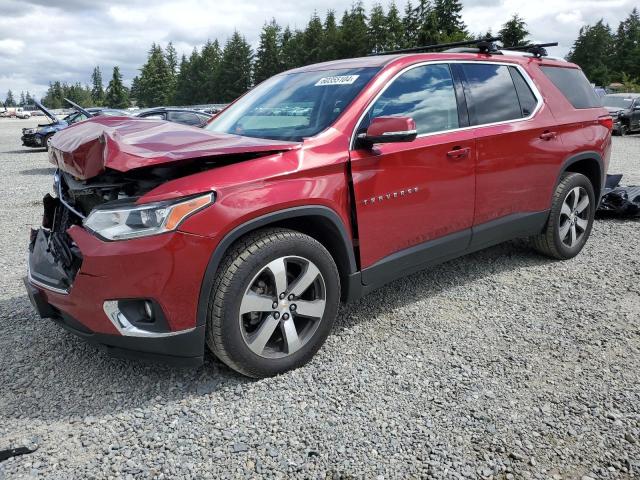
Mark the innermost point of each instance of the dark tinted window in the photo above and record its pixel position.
(527, 99)
(493, 94)
(574, 85)
(425, 94)
(186, 118)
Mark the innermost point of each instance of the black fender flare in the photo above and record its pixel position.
(263, 221)
(589, 155)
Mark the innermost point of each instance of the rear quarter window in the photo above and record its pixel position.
(574, 86)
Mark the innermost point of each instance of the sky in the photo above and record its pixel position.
(46, 40)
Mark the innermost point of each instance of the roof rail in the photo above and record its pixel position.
(484, 45)
(536, 49)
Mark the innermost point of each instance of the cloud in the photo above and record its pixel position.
(41, 40)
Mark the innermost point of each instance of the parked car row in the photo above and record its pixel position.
(40, 136)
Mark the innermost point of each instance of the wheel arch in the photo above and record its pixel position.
(319, 222)
(590, 165)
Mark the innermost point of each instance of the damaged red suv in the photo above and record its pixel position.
(318, 186)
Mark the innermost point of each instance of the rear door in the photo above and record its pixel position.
(408, 195)
(518, 150)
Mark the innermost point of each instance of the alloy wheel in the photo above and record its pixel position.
(574, 216)
(282, 307)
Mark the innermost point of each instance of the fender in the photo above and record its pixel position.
(263, 221)
(589, 155)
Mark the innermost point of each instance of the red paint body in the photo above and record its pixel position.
(433, 186)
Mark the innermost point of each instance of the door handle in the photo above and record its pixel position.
(547, 135)
(458, 152)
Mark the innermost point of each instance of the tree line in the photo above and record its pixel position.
(23, 100)
(219, 73)
(608, 57)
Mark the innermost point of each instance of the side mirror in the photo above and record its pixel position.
(390, 130)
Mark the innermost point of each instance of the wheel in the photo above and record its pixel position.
(623, 130)
(273, 303)
(47, 141)
(570, 220)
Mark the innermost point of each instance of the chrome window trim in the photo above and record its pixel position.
(523, 72)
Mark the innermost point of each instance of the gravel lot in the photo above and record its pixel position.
(501, 364)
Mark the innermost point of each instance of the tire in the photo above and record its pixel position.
(299, 324)
(46, 141)
(562, 239)
(623, 131)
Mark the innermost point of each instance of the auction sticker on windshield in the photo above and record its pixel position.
(337, 80)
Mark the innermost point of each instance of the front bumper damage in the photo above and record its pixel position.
(138, 298)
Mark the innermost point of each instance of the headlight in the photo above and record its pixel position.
(28, 130)
(132, 221)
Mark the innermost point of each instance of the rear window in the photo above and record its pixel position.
(493, 94)
(574, 85)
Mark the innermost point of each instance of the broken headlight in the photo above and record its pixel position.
(133, 221)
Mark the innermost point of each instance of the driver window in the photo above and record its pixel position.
(425, 94)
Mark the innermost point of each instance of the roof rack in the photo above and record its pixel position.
(484, 45)
(537, 49)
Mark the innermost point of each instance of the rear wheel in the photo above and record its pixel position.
(570, 220)
(273, 303)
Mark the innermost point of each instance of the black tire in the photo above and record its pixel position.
(244, 261)
(46, 141)
(549, 242)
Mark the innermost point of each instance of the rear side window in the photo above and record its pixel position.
(424, 93)
(493, 96)
(527, 99)
(574, 85)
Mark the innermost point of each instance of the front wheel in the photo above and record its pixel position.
(570, 220)
(273, 302)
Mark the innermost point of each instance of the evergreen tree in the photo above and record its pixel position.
(378, 32)
(354, 41)
(28, 98)
(591, 51)
(206, 73)
(410, 26)
(22, 99)
(133, 91)
(184, 84)
(117, 95)
(330, 37)
(235, 71)
(291, 49)
(10, 101)
(427, 23)
(171, 57)
(312, 40)
(395, 28)
(154, 83)
(268, 57)
(451, 28)
(514, 32)
(97, 89)
(627, 48)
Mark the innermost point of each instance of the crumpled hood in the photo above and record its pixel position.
(122, 143)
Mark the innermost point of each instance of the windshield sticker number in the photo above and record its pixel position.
(337, 80)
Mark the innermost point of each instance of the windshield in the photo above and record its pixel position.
(617, 102)
(293, 106)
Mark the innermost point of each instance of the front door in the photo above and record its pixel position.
(415, 200)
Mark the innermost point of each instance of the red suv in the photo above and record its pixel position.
(319, 185)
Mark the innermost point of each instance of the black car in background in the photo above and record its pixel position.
(177, 115)
(625, 110)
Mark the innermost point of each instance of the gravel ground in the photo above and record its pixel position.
(502, 364)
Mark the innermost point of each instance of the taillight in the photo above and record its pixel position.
(606, 121)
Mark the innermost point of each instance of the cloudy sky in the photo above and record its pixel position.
(43, 40)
